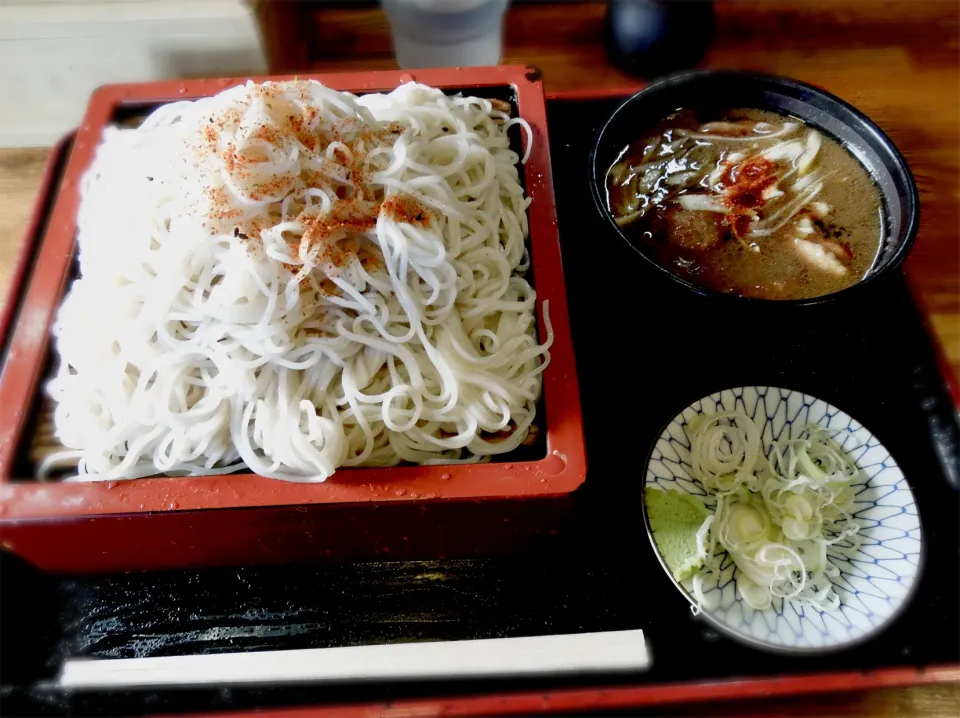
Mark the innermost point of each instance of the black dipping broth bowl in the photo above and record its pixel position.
(716, 90)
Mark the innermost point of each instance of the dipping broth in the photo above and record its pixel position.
(752, 203)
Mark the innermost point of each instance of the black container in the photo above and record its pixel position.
(715, 90)
(652, 37)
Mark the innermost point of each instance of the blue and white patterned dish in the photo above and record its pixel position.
(875, 582)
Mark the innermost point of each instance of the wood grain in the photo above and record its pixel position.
(284, 20)
(897, 61)
(21, 171)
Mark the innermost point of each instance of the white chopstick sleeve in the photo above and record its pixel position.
(565, 654)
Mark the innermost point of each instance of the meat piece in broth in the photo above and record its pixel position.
(814, 254)
(697, 230)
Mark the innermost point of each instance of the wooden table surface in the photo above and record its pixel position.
(897, 61)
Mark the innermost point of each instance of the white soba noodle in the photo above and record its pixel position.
(292, 279)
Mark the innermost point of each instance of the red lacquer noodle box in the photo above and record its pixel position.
(402, 512)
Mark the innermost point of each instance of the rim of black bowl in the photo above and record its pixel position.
(867, 127)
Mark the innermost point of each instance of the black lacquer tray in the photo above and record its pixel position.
(645, 348)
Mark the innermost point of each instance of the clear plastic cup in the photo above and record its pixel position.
(446, 33)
